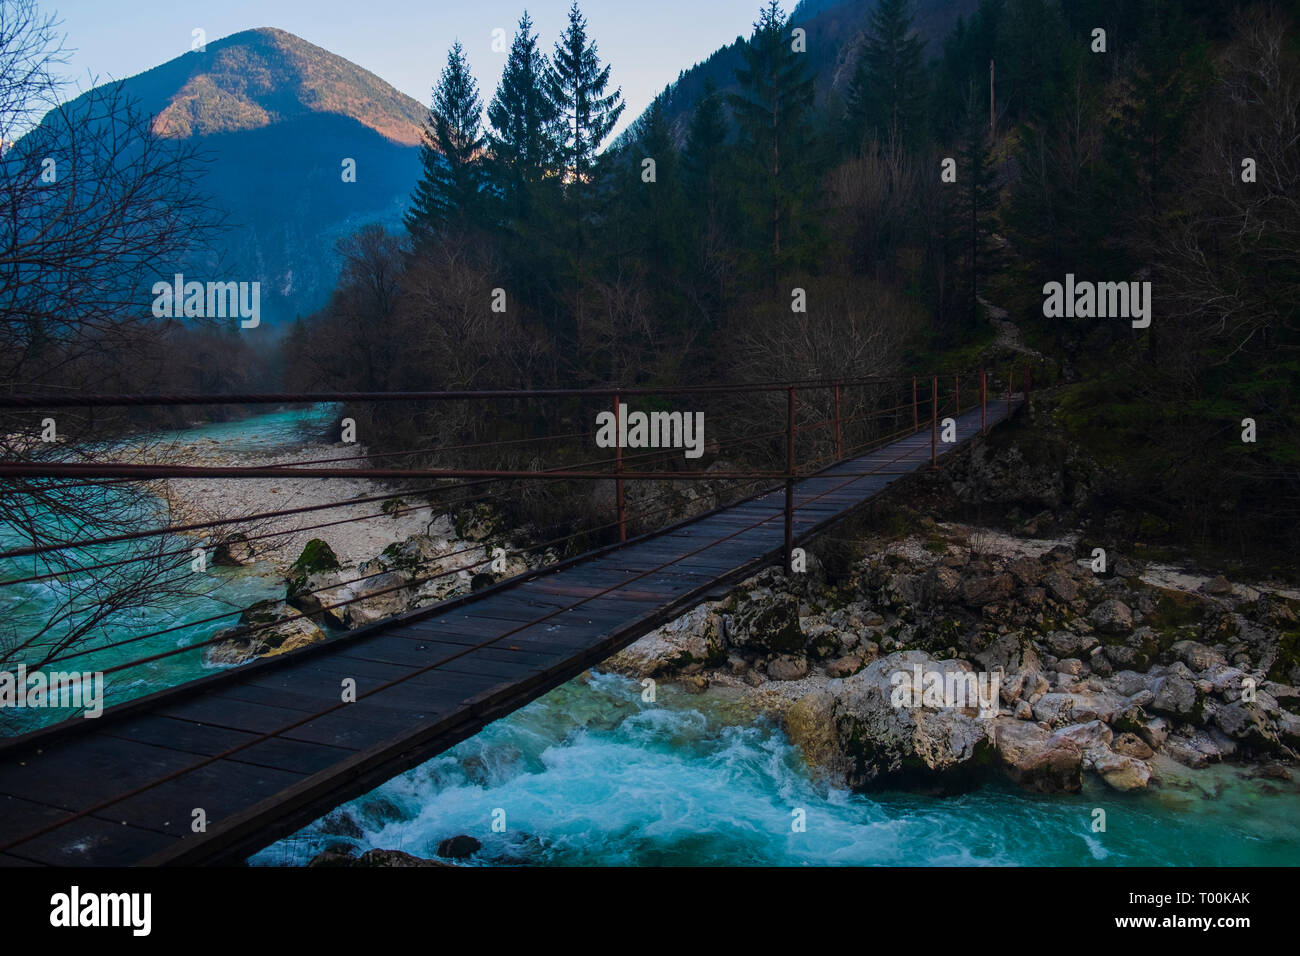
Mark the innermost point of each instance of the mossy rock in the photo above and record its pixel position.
(1129, 721)
(262, 613)
(317, 557)
(398, 557)
(478, 522)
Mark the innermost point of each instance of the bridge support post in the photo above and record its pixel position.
(1011, 387)
(1026, 385)
(839, 448)
(984, 405)
(618, 472)
(916, 424)
(789, 479)
(934, 422)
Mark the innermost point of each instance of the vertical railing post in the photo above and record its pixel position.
(1011, 385)
(618, 470)
(789, 479)
(916, 424)
(839, 447)
(934, 421)
(984, 405)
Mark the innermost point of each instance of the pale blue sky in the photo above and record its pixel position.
(405, 42)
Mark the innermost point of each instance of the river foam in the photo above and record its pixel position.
(591, 775)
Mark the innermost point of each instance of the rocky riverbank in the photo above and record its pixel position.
(342, 566)
(1134, 673)
(325, 594)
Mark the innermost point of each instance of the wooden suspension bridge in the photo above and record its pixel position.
(263, 749)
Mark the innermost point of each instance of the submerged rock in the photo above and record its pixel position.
(337, 856)
(459, 847)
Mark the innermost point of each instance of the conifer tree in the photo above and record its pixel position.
(885, 95)
(978, 199)
(704, 140)
(772, 110)
(521, 137)
(448, 193)
(577, 84)
(658, 202)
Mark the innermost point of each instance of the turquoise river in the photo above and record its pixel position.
(592, 774)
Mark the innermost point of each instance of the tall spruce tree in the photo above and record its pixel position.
(772, 110)
(885, 96)
(521, 137)
(704, 140)
(657, 203)
(449, 191)
(978, 201)
(577, 84)
(706, 162)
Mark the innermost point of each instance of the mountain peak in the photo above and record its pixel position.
(263, 76)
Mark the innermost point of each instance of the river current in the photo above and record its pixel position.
(590, 774)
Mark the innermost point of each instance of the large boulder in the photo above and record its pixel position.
(265, 629)
(1027, 571)
(1199, 657)
(1119, 771)
(685, 645)
(1070, 644)
(980, 590)
(1248, 723)
(787, 667)
(1177, 696)
(1112, 616)
(1061, 585)
(767, 621)
(809, 722)
(1195, 748)
(1037, 759)
(377, 596)
(316, 557)
(879, 740)
(1088, 735)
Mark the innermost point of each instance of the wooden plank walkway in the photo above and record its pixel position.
(266, 748)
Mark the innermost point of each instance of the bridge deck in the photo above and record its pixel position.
(266, 748)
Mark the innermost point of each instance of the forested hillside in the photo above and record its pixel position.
(536, 254)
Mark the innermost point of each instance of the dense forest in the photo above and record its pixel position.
(1114, 147)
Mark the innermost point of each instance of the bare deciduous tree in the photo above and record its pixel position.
(94, 207)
